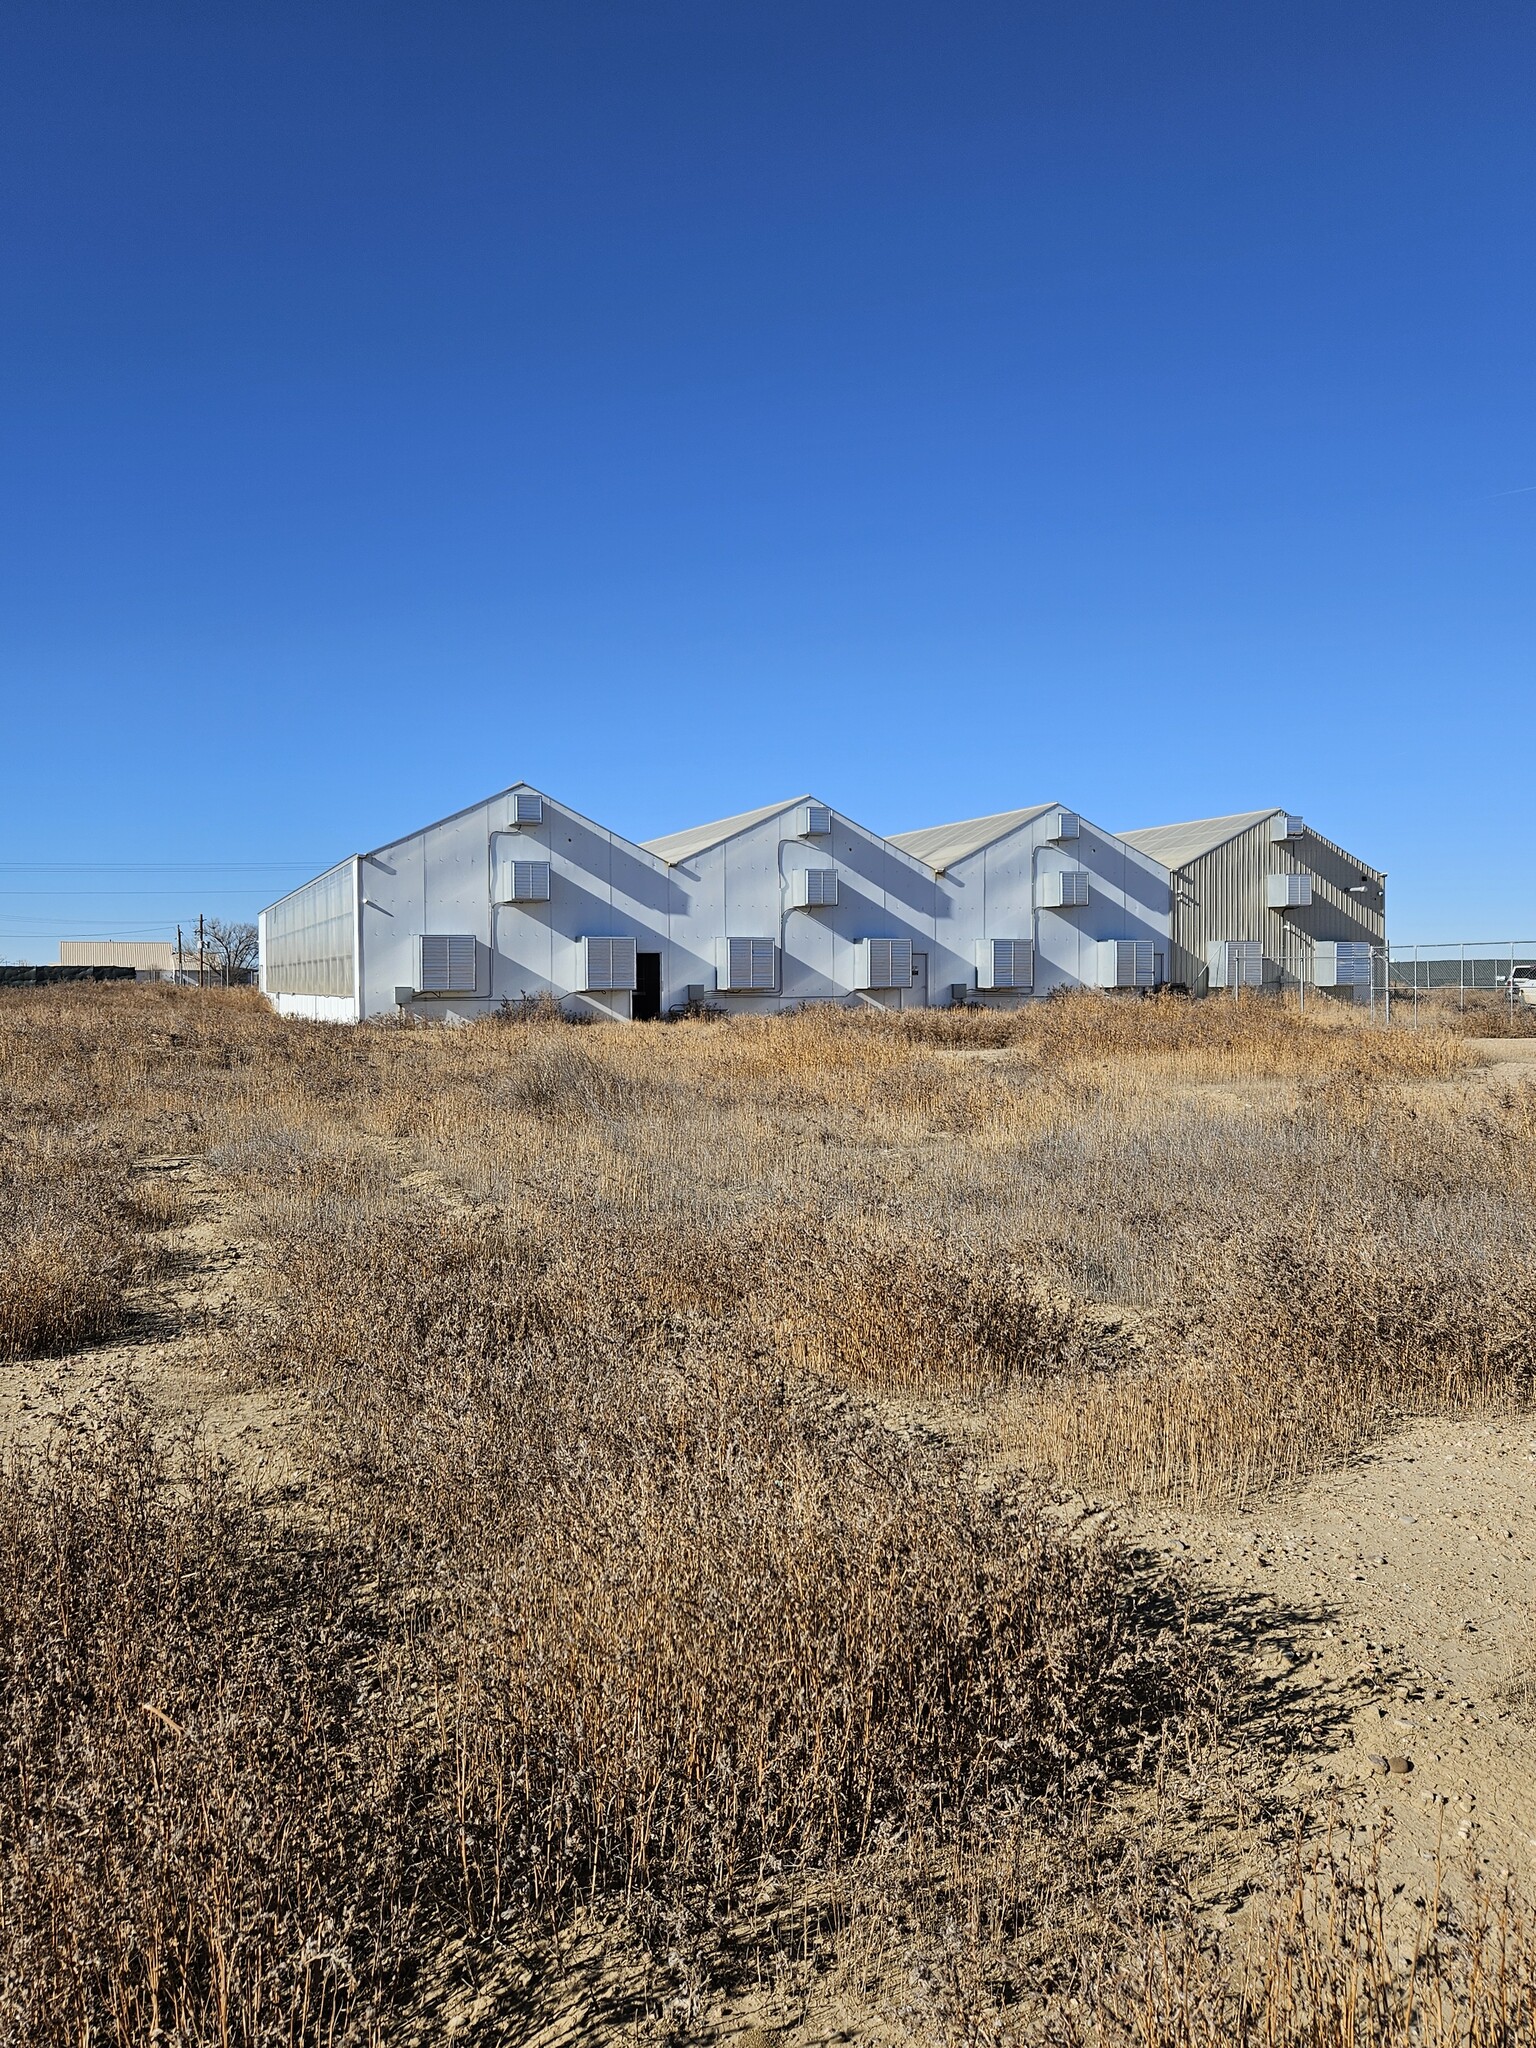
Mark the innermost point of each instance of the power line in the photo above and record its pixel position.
(57, 895)
(156, 867)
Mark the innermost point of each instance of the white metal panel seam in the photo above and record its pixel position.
(358, 982)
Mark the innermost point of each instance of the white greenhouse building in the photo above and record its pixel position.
(519, 897)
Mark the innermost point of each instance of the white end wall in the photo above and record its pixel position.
(993, 894)
(744, 888)
(440, 880)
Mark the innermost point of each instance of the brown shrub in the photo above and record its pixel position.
(205, 1804)
(68, 1248)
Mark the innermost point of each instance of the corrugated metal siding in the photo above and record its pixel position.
(1223, 895)
(151, 956)
(309, 937)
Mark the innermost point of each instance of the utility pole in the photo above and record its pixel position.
(199, 949)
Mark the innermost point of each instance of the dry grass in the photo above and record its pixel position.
(1471, 1013)
(207, 1796)
(1337, 1965)
(633, 1587)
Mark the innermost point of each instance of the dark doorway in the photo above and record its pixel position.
(647, 1003)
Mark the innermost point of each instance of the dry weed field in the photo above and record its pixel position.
(947, 1528)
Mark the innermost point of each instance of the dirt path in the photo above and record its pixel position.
(1384, 1613)
(169, 1354)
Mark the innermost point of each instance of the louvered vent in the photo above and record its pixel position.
(815, 821)
(1286, 825)
(608, 964)
(1290, 892)
(1236, 963)
(446, 964)
(749, 966)
(1005, 963)
(1127, 963)
(527, 807)
(815, 888)
(1063, 825)
(1342, 963)
(514, 880)
(1065, 890)
(882, 963)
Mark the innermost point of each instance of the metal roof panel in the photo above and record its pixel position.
(940, 846)
(1172, 846)
(675, 846)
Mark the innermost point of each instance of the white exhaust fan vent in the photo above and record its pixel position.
(1342, 963)
(749, 966)
(1067, 889)
(815, 888)
(607, 964)
(882, 963)
(814, 821)
(1005, 963)
(1286, 825)
(1236, 963)
(446, 964)
(1127, 963)
(1063, 825)
(524, 881)
(1290, 892)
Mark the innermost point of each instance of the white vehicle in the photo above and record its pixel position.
(1521, 982)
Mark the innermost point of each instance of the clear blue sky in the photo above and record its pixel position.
(941, 407)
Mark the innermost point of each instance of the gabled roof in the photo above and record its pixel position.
(675, 846)
(1172, 846)
(940, 846)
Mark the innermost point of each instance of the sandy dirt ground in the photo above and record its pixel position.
(1384, 1618)
(169, 1354)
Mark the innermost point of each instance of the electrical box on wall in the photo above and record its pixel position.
(882, 963)
(748, 966)
(814, 821)
(606, 964)
(1290, 892)
(814, 888)
(446, 964)
(1005, 963)
(1066, 889)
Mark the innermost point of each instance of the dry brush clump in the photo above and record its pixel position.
(1336, 1962)
(73, 1229)
(208, 1824)
(698, 1617)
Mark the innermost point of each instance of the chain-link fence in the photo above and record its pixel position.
(1493, 976)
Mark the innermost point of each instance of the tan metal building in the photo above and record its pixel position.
(144, 956)
(1261, 897)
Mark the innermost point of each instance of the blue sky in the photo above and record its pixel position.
(938, 407)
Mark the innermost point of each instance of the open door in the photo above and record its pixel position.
(645, 1007)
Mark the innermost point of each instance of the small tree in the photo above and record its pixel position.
(234, 947)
